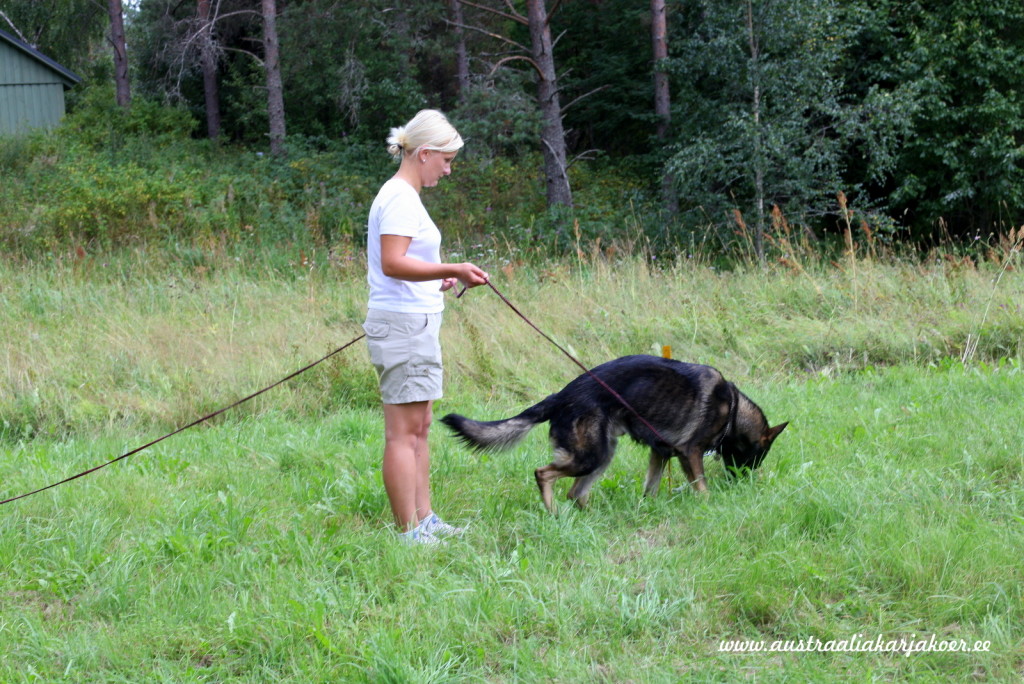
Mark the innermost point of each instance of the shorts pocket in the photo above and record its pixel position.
(376, 330)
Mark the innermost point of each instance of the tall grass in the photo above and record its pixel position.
(143, 338)
(258, 548)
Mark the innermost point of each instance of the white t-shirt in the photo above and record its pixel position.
(398, 210)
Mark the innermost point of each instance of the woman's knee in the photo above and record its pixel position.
(407, 421)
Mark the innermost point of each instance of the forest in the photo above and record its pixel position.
(723, 124)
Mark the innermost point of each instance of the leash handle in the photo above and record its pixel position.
(185, 427)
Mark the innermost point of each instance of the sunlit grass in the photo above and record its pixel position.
(258, 548)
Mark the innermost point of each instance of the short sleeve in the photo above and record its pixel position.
(401, 215)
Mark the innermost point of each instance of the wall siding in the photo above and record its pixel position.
(31, 94)
(24, 107)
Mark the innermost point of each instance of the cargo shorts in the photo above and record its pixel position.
(406, 351)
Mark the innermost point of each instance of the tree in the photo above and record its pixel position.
(540, 56)
(122, 82)
(181, 43)
(61, 29)
(461, 55)
(605, 73)
(662, 97)
(272, 66)
(763, 124)
(208, 60)
(552, 138)
(961, 170)
(757, 130)
(362, 67)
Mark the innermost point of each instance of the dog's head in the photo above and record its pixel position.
(746, 445)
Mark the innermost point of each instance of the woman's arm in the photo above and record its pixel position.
(395, 264)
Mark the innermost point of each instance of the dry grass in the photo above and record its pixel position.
(145, 341)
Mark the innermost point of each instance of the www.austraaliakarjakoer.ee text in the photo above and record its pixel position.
(856, 644)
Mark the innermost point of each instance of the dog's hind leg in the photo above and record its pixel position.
(563, 465)
(546, 477)
(602, 449)
(580, 490)
(583, 449)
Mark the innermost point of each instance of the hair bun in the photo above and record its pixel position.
(397, 142)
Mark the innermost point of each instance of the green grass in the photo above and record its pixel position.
(258, 548)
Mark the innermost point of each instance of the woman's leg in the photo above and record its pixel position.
(406, 467)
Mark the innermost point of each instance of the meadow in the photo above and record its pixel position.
(258, 548)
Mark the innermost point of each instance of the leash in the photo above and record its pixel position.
(732, 399)
(186, 427)
(288, 377)
(572, 358)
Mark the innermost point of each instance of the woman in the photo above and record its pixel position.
(407, 281)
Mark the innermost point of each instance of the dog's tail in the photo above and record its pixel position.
(496, 435)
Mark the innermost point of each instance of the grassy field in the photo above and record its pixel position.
(257, 548)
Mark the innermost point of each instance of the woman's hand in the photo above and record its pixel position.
(470, 275)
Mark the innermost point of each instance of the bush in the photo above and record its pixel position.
(98, 122)
(111, 177)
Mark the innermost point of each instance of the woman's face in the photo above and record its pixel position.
(434, 166)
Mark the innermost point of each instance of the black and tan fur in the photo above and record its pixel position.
(692, 409)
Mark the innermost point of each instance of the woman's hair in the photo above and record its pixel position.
(428, 130)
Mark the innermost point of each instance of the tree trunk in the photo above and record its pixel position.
(275, 91)
(759, 164)
(121, 81)
(208, 60)
(662, 99)
(552, 132)
(461, 57)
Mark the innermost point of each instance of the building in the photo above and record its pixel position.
(31, 87)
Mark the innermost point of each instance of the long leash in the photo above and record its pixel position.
(285, 379)
(186, 427)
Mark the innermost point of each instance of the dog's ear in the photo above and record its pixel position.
(772, 433)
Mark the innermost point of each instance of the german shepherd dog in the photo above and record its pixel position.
(687, 410)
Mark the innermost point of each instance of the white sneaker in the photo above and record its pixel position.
(436, 527)
(418, 536)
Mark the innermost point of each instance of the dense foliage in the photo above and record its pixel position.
(913, 112)
(114, 178)
(962, 161)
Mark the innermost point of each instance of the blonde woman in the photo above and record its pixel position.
(407, 283)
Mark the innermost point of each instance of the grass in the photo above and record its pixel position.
(257, 548)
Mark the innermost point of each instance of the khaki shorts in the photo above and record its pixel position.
(406, 351)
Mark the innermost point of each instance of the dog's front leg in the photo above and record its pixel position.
(693, 464)
(655, 469)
